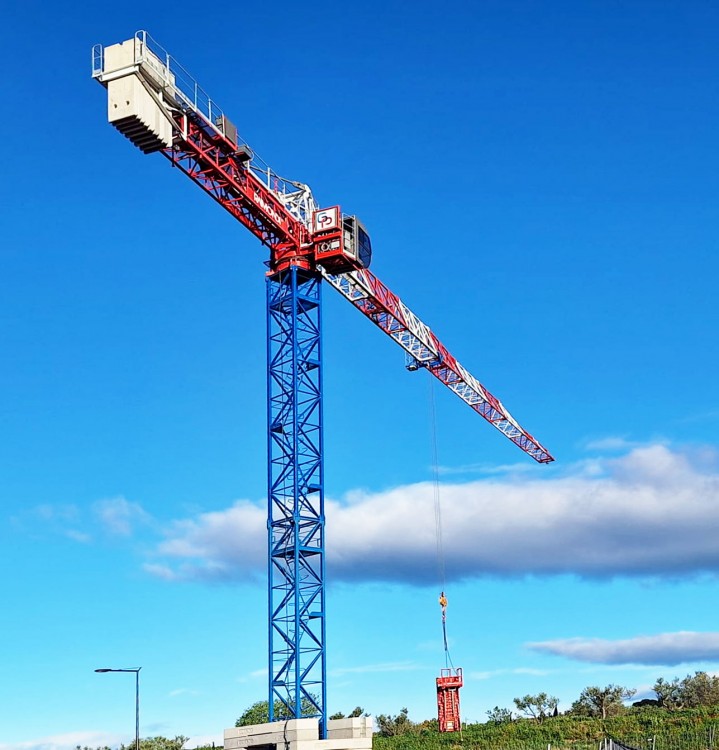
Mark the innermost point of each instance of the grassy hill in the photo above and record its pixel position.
(644, 729)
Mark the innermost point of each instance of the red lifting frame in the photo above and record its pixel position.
(448, 685)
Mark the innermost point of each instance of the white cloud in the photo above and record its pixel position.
(653, 512)
(392, 666)
(47, 517)
(254, 675)
(63, 513)
(481, 468)
(67, 741)
(614, 669)
(665, 649)
(78, 536)
(161, 571)
(501, 672)
(182, 691)
(705, 416)
(611, 443)
(215, 546)
(118, 515)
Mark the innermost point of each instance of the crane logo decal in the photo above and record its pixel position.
(269, 209)
(327, 218)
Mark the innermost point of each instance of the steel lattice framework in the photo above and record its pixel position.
(387, 311)
(173, 115)
(296, 494)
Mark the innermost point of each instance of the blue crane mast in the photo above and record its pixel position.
(296, 516)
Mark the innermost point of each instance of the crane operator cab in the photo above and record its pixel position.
(341, 242)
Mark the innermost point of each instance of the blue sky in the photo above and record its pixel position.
(540, 184)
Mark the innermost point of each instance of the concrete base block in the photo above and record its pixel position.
(302, 734)
(359, 727)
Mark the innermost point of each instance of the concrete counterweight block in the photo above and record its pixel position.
(131, 72)
(135, 113)
(302, 734)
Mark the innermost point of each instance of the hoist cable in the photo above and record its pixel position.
(436, 492)
(438, 523)
(447, 656)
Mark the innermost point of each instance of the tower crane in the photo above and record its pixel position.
(159, 107)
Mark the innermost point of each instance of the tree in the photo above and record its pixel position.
(158, 743)
(668, 693)
(151, 743)
(698, 690)
(356, 712)
(602, 702)
(391, 726)
(646, 703)
(537, 706)
(258, 713)
(499, 715)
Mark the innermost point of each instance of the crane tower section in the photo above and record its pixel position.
(296, 494)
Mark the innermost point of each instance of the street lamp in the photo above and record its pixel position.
(136, 670)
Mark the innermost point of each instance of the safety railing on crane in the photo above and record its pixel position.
(184, 87)
(188, 95)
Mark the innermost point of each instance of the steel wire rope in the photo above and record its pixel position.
(437, 498)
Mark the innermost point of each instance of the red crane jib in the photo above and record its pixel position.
(159, 107)
(214, 162)
(387, 311)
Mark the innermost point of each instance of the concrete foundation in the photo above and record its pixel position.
(302, 734)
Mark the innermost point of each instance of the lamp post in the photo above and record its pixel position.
(136, 670)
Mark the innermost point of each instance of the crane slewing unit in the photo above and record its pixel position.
(159, 107)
